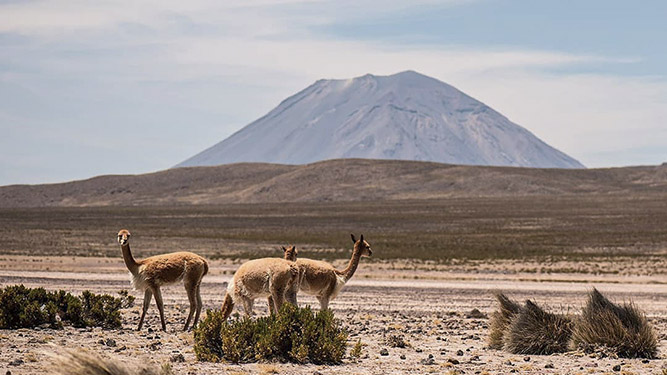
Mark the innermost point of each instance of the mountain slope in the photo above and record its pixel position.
(334, 180)
(406, 116)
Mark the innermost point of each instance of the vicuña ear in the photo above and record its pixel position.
(283, 247)
(353, 239)
(361, 238)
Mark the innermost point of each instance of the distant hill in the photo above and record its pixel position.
(333, 180)
(405, 116)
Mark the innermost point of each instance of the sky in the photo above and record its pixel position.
(125, 87)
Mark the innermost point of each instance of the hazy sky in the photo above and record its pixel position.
(116, 87)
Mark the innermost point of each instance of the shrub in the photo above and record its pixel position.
(22, 307)
(622, 329)
(293, 335)
(500, 320)
(535, 331)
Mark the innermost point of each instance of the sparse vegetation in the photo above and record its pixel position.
(535, 331)
(80, 362)
(622, 329)
(22, 307)
(500, 319)
(356, 350)
(293, 335)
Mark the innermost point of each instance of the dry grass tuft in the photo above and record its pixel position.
(81, 362)
(535, 331)
(623, 329)
(500, 319)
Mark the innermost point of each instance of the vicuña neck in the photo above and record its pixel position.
(131, 264)
(348, 272)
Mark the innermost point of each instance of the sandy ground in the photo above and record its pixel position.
(427, 306)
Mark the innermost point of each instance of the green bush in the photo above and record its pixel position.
(293, 335)
(22, 307)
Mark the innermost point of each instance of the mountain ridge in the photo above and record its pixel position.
(332, 181)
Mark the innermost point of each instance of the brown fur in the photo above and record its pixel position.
(290, 254)
(264, 277)
(151, 273)
(322, 280)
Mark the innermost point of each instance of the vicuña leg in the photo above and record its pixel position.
(247, 306)
(324, 302)
(278, 296)
(160, 306)
(147, 301)
(199, 307)
(191, 290)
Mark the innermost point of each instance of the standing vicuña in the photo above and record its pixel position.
(322, 280)
(151, 273)
(274, 277)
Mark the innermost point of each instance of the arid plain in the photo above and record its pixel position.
(434, 262)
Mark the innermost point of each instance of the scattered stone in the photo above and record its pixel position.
(476, 314)
(16, 362)
(459, 352)
(150, 330)
(155, 345)
(8, 372)
(526, 359)
(402, 356)
(474, 358)
(646, 360)
(509, 363)
(418, 350)
(549, 365)
(453, 361)
(120, 349)
(111, 342)
(384, 352)
(101, 342)
(317, 373)
(177, 358)
(616, 368)
(428, 361)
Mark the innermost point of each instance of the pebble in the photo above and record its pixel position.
(526, 359)
(177, 358)
(549, 365)
(111, 342)
(428, 361)
(453, 361)
(616, 368)
(16, 362)
(402, 356)
(384, 352)
(459, 352)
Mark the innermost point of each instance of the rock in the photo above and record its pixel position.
(476, 314)
(317, 373)
(549, 365)
(428, 361)
(459, 352)
(8, 372)
(526, 359)
(453, 361)
(418, 350)
(111, 342)
(101, 342)
(402, 356)
(177, 358)
(616, 368)
(150, 330)
(16, 362)
(384, 352)
(120, 349)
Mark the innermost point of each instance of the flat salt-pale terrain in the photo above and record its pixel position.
(427, 305)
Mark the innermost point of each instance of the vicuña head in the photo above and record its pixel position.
(290, 253)
(151, 273)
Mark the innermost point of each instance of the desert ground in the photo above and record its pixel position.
(433, 264)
